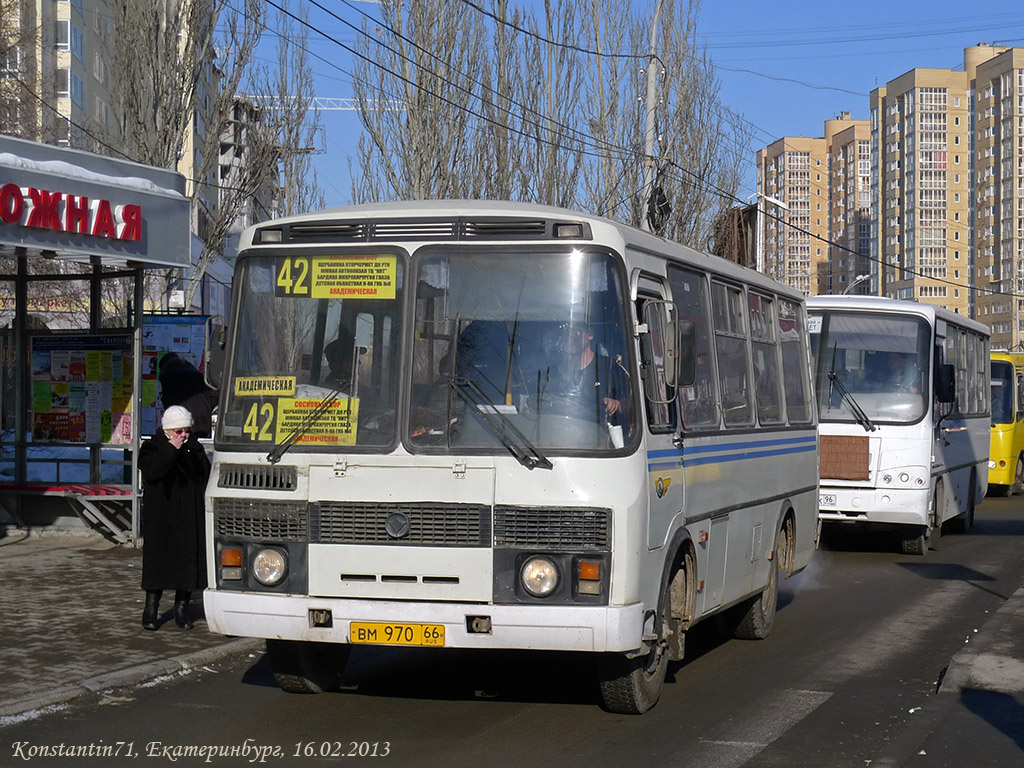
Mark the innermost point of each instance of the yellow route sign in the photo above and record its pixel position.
(362, 276)
(335, 426)
(254, 386)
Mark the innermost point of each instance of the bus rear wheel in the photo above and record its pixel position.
(303, 667)
(757, 615)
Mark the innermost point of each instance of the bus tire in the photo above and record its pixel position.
(304, 667)
(757, 614)
(916, 543)
(965, 522)
(1018, 479)
(631, 686)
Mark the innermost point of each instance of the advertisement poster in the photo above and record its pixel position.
(82, 388)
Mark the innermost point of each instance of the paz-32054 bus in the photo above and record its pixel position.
(491, 425)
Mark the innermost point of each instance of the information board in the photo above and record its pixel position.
(82, 388)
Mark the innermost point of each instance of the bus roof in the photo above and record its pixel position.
(415, 222)
(895, 306)
(1016, 358)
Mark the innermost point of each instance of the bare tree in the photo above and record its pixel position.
(554, 109)
(554, 75)
(699, 135)
(19, 37)
(417, 92)
(612, 91)
(173, 70)
(297, 123)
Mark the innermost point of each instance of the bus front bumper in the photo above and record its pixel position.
(533, 627)
(1001, 474)
(886, 506)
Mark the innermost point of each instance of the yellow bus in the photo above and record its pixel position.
(1006, 454)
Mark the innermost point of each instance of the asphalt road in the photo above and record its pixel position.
(860, 643)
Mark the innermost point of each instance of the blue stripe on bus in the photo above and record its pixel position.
(727, 457)
(662, 453)
(751, 444)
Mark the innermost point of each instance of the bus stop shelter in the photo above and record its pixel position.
(73, 389)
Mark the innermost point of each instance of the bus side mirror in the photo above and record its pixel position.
(945, 383)
(687, 372)
(213, 352)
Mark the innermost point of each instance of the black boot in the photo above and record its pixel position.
(181, 617)
(152, 609)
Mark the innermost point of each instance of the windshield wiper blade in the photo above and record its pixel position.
(515, 442)
(279, 450)
(858, 412)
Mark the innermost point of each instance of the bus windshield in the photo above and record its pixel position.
(881, 360)
(1002, 392)
(315, 352)
(530, 347)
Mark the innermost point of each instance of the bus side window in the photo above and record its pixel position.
(659, 395)
(1020, 396)
(696, 402)
(766, 361)
(731, 348)
(796, 385)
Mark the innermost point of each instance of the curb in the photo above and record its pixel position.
(948, 694)
(140, 673)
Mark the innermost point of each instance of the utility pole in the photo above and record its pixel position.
(648, 181)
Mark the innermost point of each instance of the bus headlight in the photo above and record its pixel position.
(269, 567)
(539, 576)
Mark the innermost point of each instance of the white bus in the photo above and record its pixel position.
(903, 398)
(540, 430)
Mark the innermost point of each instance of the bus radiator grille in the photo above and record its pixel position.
(256, 477)
(260, 519)
(430, 524)
(557, 528)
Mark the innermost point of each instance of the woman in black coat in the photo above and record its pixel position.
(174, 471)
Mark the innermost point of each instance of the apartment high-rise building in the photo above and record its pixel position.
(999, 193)
(792, 183)
(849, 145)
(813, 198)
(922, 186)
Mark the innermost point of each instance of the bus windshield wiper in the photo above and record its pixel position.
(852, 404)
(279, 450)
(515, 442)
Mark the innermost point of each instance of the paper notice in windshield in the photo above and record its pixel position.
(354, 277)
(335, 426)
(255, 386)
(363, 276)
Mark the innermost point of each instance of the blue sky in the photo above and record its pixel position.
(785, 67)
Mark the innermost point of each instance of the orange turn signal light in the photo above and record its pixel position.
(231, 558)
(590, 570)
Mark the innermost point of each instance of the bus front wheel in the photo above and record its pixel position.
(304, 667)
(631, 686)
(1018, 479)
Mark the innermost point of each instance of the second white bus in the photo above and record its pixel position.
(904, 402)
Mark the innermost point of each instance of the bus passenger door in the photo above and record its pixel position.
(655, 323)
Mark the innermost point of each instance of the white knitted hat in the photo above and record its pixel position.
(176, 417)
